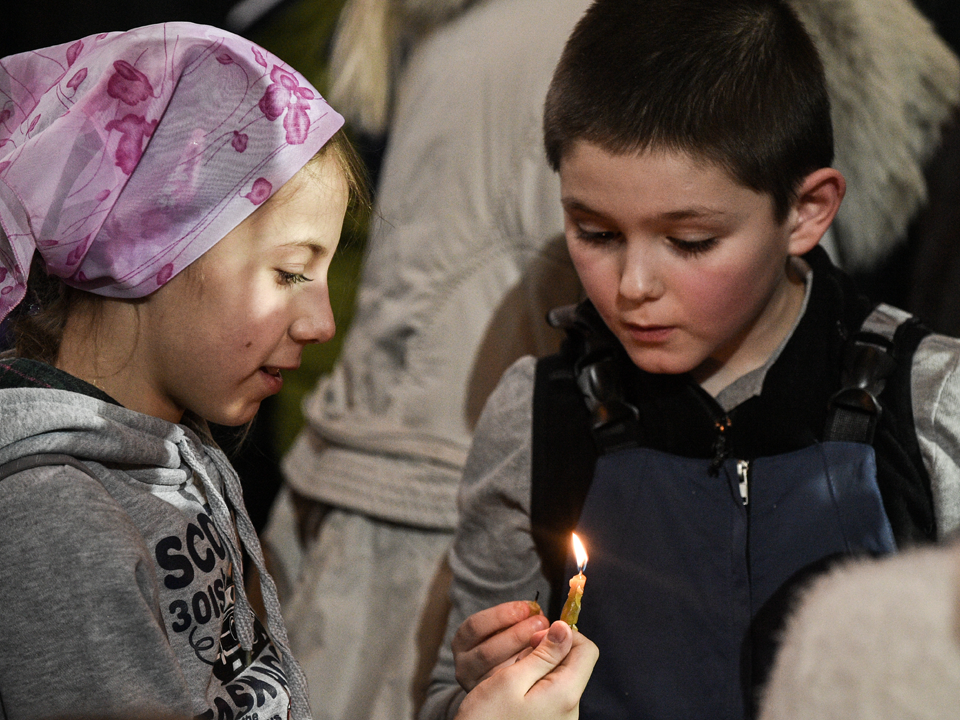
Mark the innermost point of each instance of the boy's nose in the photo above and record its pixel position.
(314, 322)
(639, 275)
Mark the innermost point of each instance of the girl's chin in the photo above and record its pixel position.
(236, 417)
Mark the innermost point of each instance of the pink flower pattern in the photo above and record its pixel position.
(77, 253)
(166, 272)
(128, 84)
(239, 141)
(134, 128)
(285, 94)
(116, 84)
(260, 192)
(78, 77)
(73, 51)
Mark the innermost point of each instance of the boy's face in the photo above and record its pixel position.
(687, 267)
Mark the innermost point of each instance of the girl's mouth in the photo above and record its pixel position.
(273, 378)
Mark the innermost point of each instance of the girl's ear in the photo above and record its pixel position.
(817, 203)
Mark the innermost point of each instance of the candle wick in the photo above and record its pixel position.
(582, 567)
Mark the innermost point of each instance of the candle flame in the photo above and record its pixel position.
(580, 553)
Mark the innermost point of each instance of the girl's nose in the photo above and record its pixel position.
(640, 277)
(314, 322)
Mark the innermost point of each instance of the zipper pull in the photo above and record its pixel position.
(720, 449)
(743, 472)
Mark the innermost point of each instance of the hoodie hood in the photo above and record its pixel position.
(164, 458)
(47, 420)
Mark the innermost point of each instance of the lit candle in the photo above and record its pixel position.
(571, 608)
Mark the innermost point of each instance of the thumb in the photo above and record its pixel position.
(549, 653)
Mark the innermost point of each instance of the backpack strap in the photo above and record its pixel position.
(901, 472)
(576, 390)
(594, 352)
(28, 462)
(562, 466)
(869, 360)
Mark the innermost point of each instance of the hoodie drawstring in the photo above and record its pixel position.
(243, 613)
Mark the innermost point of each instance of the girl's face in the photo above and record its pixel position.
(216, 338)
(688, 268)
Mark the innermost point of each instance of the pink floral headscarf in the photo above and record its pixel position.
(126, 156)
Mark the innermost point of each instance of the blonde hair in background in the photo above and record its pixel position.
(368, 47)
(362, 63)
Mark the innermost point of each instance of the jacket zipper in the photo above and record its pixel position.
(743, 473)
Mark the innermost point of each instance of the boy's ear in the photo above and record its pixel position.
(817, 203)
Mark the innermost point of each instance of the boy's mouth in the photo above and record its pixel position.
(649, 333)
(274, 371)
(644, 327)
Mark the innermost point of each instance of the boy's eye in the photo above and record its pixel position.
(288, 278)
(693, 247)
(597, 236)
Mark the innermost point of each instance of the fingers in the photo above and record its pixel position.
(482, 625)
(553, 647)
(562, 658)
(545, 683)
(491, 639)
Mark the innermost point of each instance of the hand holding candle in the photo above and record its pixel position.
(571, 608)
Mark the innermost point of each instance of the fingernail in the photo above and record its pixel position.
(535, 608)
(557, 632)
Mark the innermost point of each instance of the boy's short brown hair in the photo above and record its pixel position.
(734, 82)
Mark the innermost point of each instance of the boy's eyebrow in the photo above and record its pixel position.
(694, 212)
(573, 204)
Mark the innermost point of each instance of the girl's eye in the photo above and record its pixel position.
(693, 247)
(287, 278)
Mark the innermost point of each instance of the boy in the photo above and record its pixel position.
(713, 429)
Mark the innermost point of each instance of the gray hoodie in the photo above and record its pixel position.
(117, 589)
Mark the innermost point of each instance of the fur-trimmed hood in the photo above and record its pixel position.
(893, 84)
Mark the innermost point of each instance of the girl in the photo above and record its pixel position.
(184, 191)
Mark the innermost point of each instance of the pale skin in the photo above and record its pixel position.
(542, 683)
(690, 269)
(214, 341)
(692, 272)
